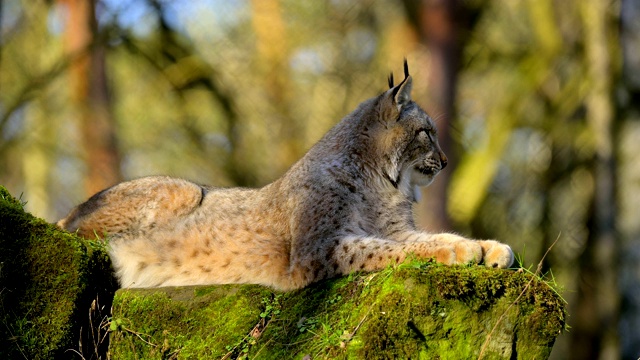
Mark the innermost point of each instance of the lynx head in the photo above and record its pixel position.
(404, 137)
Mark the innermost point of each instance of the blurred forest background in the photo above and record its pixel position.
(537, 101)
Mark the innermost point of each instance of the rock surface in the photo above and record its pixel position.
(50, 279)
(417, 310)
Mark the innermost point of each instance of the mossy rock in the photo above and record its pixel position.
(49, 280)
(416, 310)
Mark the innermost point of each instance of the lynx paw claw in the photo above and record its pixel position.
(497, 255)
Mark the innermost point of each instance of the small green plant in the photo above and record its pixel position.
(335, 299)
(22, 202)
(271, 306)
(327, 334)
(241, 348)
(413, 262)
(116, 325)
(546, 278)
(306, 324)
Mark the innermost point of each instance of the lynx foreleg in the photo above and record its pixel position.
(493, 253)
(368, 254)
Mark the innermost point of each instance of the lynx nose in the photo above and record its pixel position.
(443, 160)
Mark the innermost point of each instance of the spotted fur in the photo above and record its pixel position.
(345, 206)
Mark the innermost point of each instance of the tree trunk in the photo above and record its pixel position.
(273, 52)
(439, 24)
(595, 329)
(91, 97)
(629, 182)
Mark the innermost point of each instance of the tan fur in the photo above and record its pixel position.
(345, 206)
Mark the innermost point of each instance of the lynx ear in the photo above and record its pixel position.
(402, 93)
(394, 99)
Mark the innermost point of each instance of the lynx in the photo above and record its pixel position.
(345, 206)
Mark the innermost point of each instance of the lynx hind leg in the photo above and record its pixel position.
(133, 206)
(496, 254)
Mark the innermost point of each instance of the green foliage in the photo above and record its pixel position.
(205, 94)
(546, 278)
(525, 170)
(48, 280)
(271, 306)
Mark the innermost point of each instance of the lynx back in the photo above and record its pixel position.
(345, 206)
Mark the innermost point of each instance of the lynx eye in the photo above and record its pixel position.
(425, 133)
(431, 136)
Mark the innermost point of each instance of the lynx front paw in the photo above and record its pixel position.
(467, 251)
(496, 254)
(453, 249)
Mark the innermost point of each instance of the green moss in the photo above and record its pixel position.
(418, 310)
(48, 280)
(194, 322)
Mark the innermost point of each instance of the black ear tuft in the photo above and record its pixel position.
(406, 68)
(401, 93)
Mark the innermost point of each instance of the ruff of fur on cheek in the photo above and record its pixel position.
(405, 185)
(372, 174)
(382, 175)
